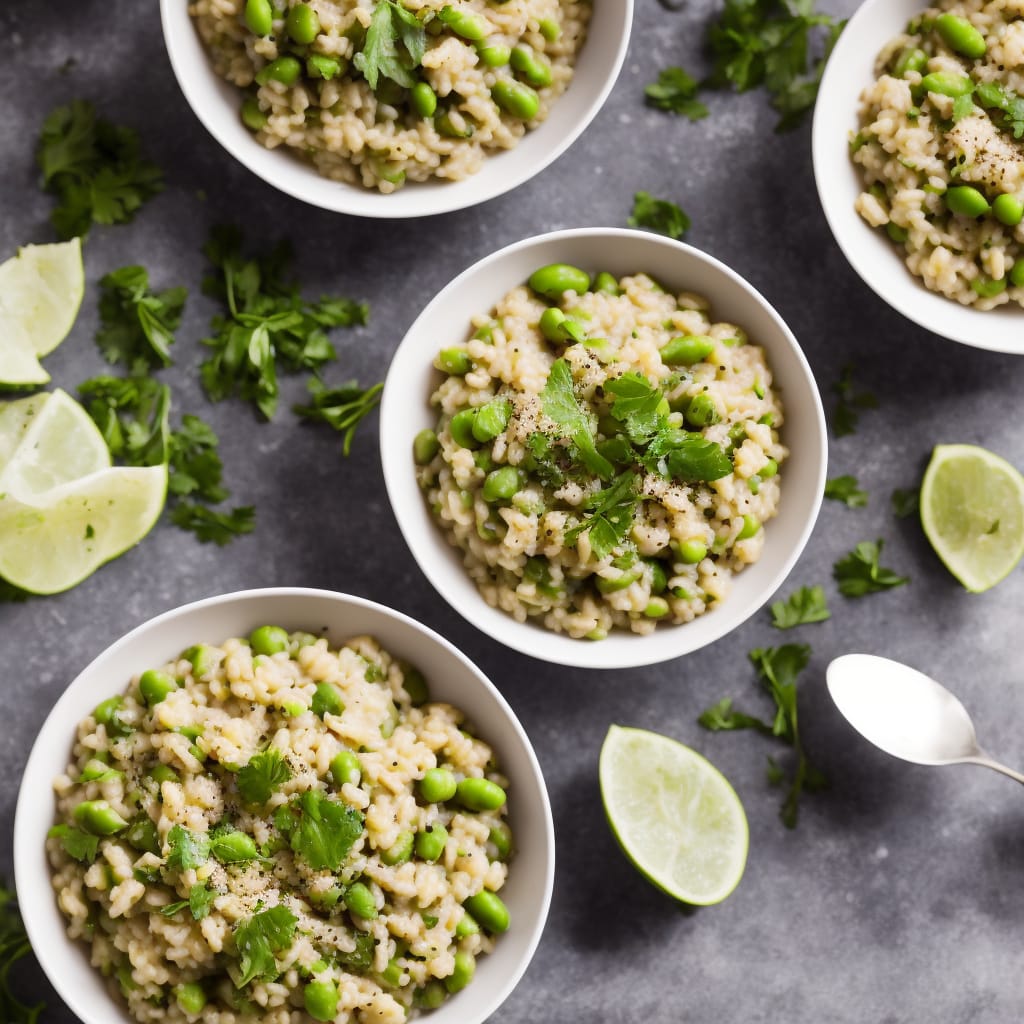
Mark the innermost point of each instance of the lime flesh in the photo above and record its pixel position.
(674, 814)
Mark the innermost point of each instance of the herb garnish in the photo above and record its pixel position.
(325, 830)
(858, 573)
(846, 490)
(676, 92)
(258, 938)
(14, 946)
(802, 607)
(187, 849)
(559, 403)
(211, 526)
(77, 844)
(395, 44)
(199, 903)
(690, 458)
(258, 780)
(993, 96)
(343, 407)
(136, 325)
(659, 215)
(611, 516)
(849, 401)
(906, 502)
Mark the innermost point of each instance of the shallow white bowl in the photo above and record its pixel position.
(452, 678)
(850, 70)
(217, 103)
(406, 410)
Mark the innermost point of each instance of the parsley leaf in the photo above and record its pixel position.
(558, 401)
(14, 946)
(199, 903)
(612, 516)
(360, 959)
(211, 526)
(676, 91)
(343, 408)
(395, 44)
(194, 464)
(845, 489)
(993, 96)
(658, 215)
(906, 503)
(187, 849)
(858, 573)
(262, 775)
(131, 413)
(77, 844)
(258, 938)
(802, 607)
(638, 404)
(94, 168)
(849, 400)
(136, 325)
(325, 831)
(690, 458)
(720, 717)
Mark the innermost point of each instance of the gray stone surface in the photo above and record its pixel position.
(898, 897)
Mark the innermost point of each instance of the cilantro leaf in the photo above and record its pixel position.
(858, 573)
(211, 526)
(199, 902)
(906, 503)
(194, 464)
(77, 844)
(676, 92)
(995, 97)
(845, 489)
(394, 45)
(131, 413)
(262, 775)
(720, 717)
(360, 959)
(687, 457)
(187, 849)
(638, 404)
(612, 516)
(137, 326)
(558, 401)
(804, 606)
(849, 400)
(343, 408)
(258, 938)
(325, 831)
(658, 215)
(94, 168)
(14, 946)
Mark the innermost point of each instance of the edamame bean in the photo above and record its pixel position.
(480, 794)
(912, 58)
(702, 411)
(945, 84)
(425, 446)
(612, 584)
(687, 350)
(321, 1000)
(770, 468)
(319, 65)
(492, 419)
(191, 997)
(326, 700)
(161, 773)
(489, 910)
(142, 834)
(259, 17)
(1008, 209)
(559, 328)
(749, 529)
(303, 24)
(659, 581)
(268, 640)
(494, 55)
(464, 23)
(657, 608)
(203, 660)
(431, 996)
(285, 70)
(359, 900)
(554, 280)
(968, 201)
(106, 713)
(549, 29)
(346, 767)
(988, 287)
(446, 126)
(501, 838)
(252, 116)
(466, 926)
(98, 818)
(392, 974)
(532, 67)
(690, 552)
(461, 428)
(456, 361)
(896, 233)
(431, 842)
(234, 848)
(501, 484)
(462, 974)
(1016, 274)
(961, 36)
(423, 99)
(605, 282)
(400, 851)
(156, 686)
(437, 785)
(515, 98)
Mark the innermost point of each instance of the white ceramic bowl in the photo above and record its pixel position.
(405, 410)
(216, 103)
(850, 70)
(452, 678)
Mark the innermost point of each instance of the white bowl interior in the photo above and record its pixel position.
(452, 678)
(216, 103)
(406, 410)
(850, 70)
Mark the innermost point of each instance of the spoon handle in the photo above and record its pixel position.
(987, 762)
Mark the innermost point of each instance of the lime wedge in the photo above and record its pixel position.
(15, 418)
(972, 511)
(51, 541)
(41, 290)
(674, 814)
(19, 365)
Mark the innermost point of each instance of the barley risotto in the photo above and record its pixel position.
(605, 454)
(273, 830)
(380, 92)
(940, 148)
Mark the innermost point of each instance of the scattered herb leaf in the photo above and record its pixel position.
(637, 405)
(721, 717)
(77, 844)
(14, 946)
(325, 831)
(846, 490)
(211, 526)
(343, 408)
(802, 607)
(849, 401)
(559, 403)
(906, 503)
(258, 938)
(660, 215)
(858, 573)
(262, 775)
(611, 516)
(395, 44)
(688, 457)
(136, 325)
(187, 849)
(676, 92)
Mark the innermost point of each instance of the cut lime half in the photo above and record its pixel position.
(972, 511)
(674, 814)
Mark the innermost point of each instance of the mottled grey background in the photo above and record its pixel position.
(899, 897)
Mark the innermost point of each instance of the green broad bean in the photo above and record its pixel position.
(612, 584)
(987, 287)
(252, 116)
(769, 469)
(106, 714)
(967, 201)
(430, 996)
(400, 851)
(392, 974)
(322, 899)
(690, 552)
(462, 974)
(912, 58)
(142, 835)
(466, 926)
(1008, 210)
(437, 785)
(945, 84)
(326, 700)
(657, 608)
(501, 484)
(549, 29)
(285, 70)
(234, 848)
(268, 640)
(534, 69)
(559, 328)
(456, 361)
(302, 24)
(259, 17)
(896, 233)
(359, 900)
(702, 411)
(203, 660)
(321, 1000)
(489, 910)
(156, 686)
(161, 773)
(554, 280)
(461, 428)
(465, 23)
(659, 581)
(687, 350)
(961, 36)
(346, 767)
(480, 794)
(190, 997)
(425, 446)
(515, 98)
(749, 528)
(98, 770)
(494, 55)
(319, 65)
(98, 818)
(431, 842)
(607, 283)
(501, 838)
(1016, 274)
(492, 419)
(447, 127)
(423, 99)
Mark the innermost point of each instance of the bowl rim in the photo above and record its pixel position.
(560, 649)
(876, 260)
(287, 173)
(30, 859)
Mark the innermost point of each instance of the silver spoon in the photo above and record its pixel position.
(906, 713)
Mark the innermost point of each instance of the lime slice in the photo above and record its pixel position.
(674, 814)
(972, 511)
(52, 440)
(52, 541)
(19, 365)
(40, 291)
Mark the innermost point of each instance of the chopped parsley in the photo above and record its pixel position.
(687, 457)
(77, 844)
(848, 401)
(264, 773)
(199, 903)
(637, 405)
(95, 169)
(258, 938)
(676, 92)
(558, 401)
(846, 490)
(343, 408)
(906, 502)
(187, 850)
(858, 573)
(14, 946)
(395, 44)
(325, 830)
(611, 517)
(660, 215)
(802, 607)
(360, 959)
(211, 526)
